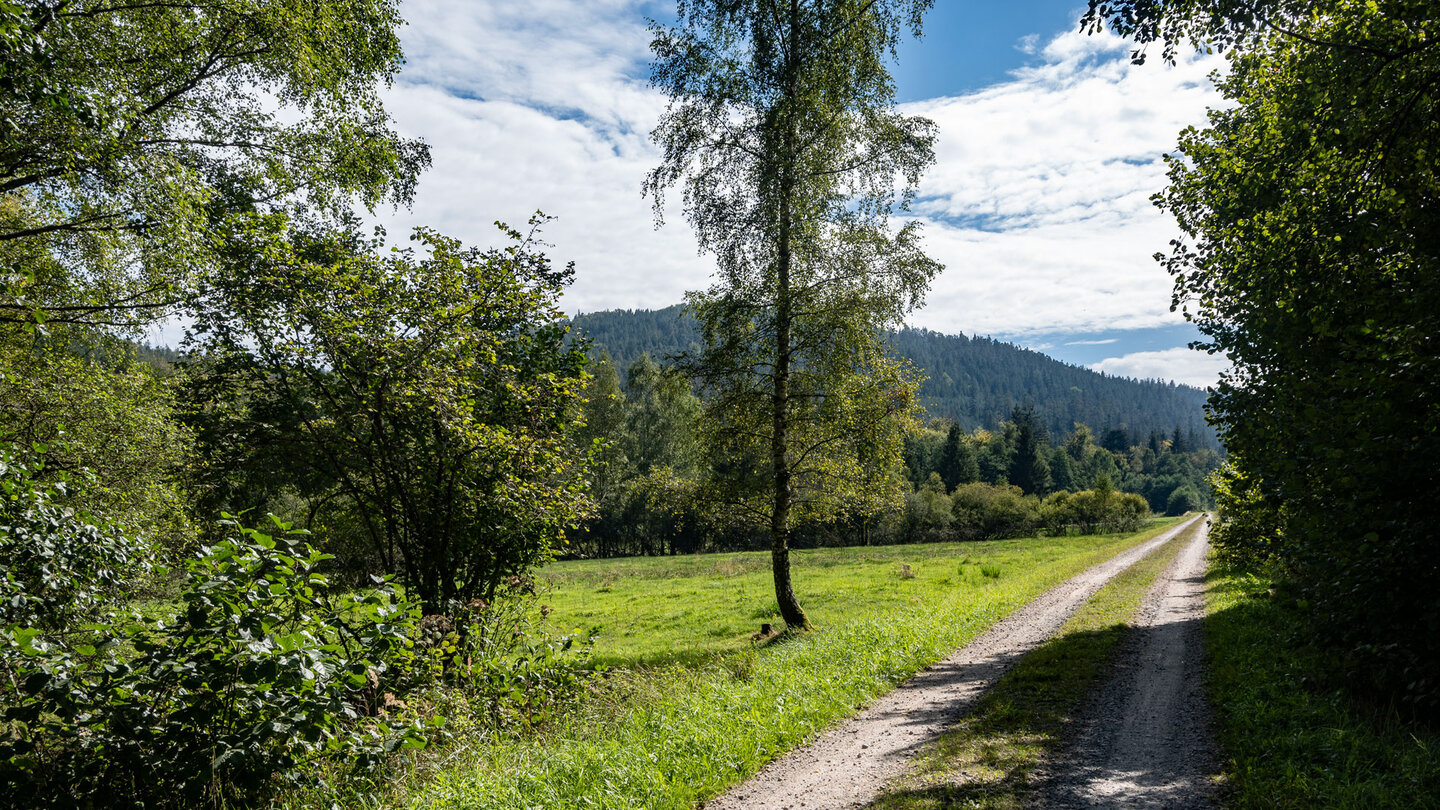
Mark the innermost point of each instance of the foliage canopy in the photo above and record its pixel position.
(1312, 244)
(129, 128)
(434, 390)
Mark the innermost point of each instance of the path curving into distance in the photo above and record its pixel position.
(849, 764)
(1145, 738)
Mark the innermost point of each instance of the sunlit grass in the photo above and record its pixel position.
(691, 705)
(690, 609)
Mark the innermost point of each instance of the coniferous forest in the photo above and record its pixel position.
(974, 381)
(654, 494)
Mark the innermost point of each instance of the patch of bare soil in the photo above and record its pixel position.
(847, 766)
(1144, 739)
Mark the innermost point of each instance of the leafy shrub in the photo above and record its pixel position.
(58, 564)
(990, 511)
(1249, 531)
(106, 414)
(500, 659)
(1056, 513)
(1182, 500)
(1332, 409)
(1088, 509)
(1127, 512)
(262, 669)
(447, 366)
(928, 512)
(1094, 510)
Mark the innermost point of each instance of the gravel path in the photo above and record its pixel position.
(1144, 739)
(848, 765)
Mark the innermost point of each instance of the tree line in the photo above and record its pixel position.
(653, 478)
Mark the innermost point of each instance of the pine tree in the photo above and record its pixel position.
(1178, 442)
(957, 459)
(1030, 465)
(1062, 471)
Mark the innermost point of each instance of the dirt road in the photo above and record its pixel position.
(1144, 738)
(849, 764)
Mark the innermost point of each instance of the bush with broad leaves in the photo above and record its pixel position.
(263, 669)
(58, 564)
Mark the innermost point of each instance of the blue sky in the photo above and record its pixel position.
(968, 46)
(1038, 204)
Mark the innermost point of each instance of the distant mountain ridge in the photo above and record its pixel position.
(976, 381)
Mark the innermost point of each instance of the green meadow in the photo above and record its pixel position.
(654, 611)
(688, 703)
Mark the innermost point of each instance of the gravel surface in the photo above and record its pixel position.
(848, 765)
(1144, 739)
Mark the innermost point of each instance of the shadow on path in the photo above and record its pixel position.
(1032, 707)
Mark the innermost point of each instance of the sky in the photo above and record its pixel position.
(1050, 147)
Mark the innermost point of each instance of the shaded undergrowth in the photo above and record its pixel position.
(1289, 740)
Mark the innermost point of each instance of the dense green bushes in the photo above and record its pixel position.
(261, 668)
(1094, 510)
(58, 564)
(261, 674)
(989, 512)
(1181, 501)
(979, 511)
(1310, 216)
(77, 401)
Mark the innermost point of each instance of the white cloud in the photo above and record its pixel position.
(1040, 197)
(1038, 204)
(1181, 365)
(566, 56)
(502, 160)
(1047, 279)
(540, 109)
(1104, 342)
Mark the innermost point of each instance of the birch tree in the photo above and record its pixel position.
(782, 132)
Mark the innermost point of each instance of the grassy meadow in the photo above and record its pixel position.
(656, 611)
(689, 704)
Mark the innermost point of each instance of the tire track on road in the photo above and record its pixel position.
(848, 765)
(1145, 738)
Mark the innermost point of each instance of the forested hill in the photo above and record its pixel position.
(976, 381)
